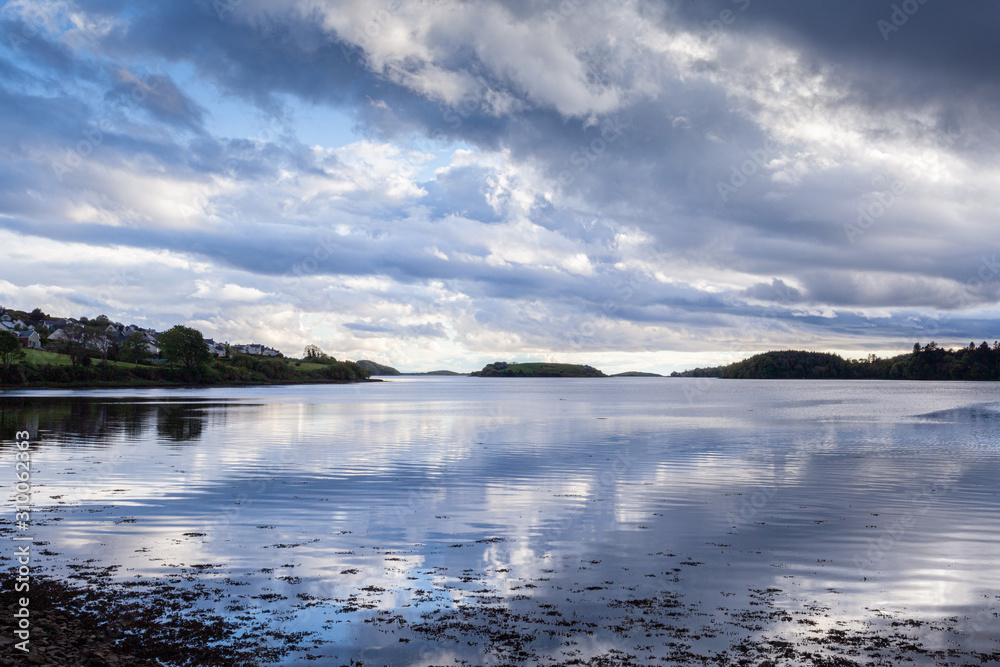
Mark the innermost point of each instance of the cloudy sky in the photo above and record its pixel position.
(635, 185)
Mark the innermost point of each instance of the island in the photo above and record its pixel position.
(375, 368)
(538, 370)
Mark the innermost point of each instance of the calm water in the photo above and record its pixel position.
(571, 512)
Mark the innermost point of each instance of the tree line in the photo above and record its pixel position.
(186, 359)
(928, 362)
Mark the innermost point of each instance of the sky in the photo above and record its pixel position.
(634, 185)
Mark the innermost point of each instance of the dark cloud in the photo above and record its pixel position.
(160, 96)
(776, 291)
(950, 46)
(427, 330)
(706, 146)
(28, 41)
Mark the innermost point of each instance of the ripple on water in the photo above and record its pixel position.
(701, 515)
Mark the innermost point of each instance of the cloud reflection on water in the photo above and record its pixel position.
(868, 496)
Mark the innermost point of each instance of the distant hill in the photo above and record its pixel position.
(711, 372)
(636, 374)
(538, 370)
(376, 368)
(929, 362)
(441, 372)
(789, 364)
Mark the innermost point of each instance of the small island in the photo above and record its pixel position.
(375, 368)
(538, 370)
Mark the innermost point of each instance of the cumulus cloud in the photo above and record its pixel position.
(671, 177)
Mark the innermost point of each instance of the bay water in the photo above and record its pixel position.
(429, 520)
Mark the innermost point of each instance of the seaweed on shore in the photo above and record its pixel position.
(96, 624)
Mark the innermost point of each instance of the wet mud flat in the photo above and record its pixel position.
(616, 623)
(92, 617)
(88, 620)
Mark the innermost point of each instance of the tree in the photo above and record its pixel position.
(312, 351)
(43, 334)
(10, 349)
(102, 320)
(78, 353)
(96, 340)
(186, 347)
(37, 315)
(134, 348)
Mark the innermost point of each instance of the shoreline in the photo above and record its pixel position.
(98, 623)
(90, 615)
(173, 385)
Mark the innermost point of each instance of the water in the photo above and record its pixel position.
(496, 520)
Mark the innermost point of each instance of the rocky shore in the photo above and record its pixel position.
(86, 625)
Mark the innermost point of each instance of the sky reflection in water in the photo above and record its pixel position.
(423, 494)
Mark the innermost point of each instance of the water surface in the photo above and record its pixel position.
(432, 519)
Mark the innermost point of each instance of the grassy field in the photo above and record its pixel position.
(42, 358)
(302, 365)
(51, 369)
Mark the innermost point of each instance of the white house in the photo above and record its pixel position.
(217, 349)
(29, 339)
(59, 335)
(256, 349)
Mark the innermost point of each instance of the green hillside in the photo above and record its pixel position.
(51, 369)
(376, 368)
(636, 374)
